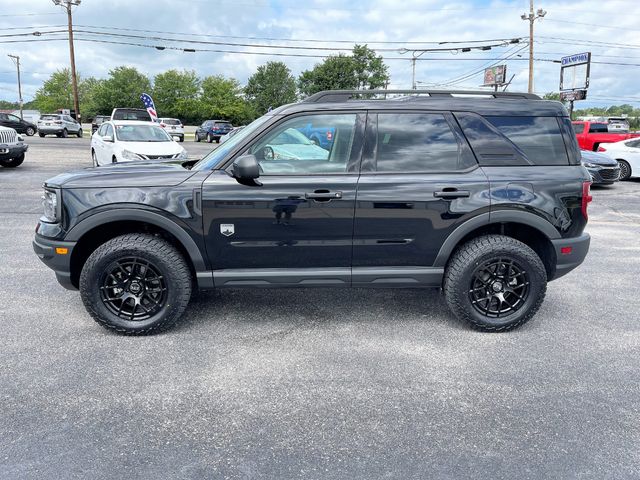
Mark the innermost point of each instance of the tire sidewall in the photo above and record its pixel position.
(92, 278)
(13, 162)
(624, 168)
(32, 130)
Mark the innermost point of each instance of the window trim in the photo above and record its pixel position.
(354, 163)
(369, 162)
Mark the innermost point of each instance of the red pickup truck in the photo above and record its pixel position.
(591, 134)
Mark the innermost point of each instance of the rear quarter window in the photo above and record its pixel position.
(539, 138)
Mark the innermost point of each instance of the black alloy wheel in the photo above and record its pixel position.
(499, 287)
(133, 289)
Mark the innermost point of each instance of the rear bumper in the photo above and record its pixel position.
(567, 259)
(45, 249)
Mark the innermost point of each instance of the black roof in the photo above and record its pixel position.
(481, 102)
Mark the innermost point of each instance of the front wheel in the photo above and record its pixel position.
(496, 283)
(41, 135)
(13, 162)
(625, 170)
(136, 284)
(30, 131)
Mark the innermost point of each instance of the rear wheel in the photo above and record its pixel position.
(13, 162)
(495, 283)
(625, 170)
(30, 131)
(196, 138)
(209, 138)
(41, 135)
(79, 133)
(136, 284)
(64, 133)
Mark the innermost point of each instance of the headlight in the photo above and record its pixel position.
(127, 155)
(590, 165)
(183, 155)
(50, 206)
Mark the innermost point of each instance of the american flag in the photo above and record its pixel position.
(149, 105)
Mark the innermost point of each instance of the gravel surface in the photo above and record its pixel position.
(354, 384)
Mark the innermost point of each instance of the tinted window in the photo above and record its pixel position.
(170, 121)
(420, 142)
(287, 151)
(122, 114)
(539, 138)
(598, 128)
(13, 118)
(578, 128)
(223, 124)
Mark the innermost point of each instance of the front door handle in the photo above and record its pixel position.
(322, 195)
(451, 193)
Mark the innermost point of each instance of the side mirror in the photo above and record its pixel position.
(107, 138)
(246, 168)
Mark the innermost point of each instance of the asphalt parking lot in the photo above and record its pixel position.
(318, 383)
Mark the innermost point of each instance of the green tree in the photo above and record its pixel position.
(551, 96)
(222, 98)
(271, 86)
(362, 70)
(175, 94)
(57, 92)
(122, 88)
(337, 72)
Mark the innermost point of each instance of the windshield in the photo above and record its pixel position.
(291, 136)
(220, 153)
(141, 133)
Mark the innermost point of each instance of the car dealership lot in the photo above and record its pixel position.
(318, 383)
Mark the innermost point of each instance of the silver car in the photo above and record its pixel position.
(59, 125)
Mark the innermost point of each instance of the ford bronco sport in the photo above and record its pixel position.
(480, 194)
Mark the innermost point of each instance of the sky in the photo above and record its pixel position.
(609, 30)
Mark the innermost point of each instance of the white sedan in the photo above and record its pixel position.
(627, 153)
(130, 141)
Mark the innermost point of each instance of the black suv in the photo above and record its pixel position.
(480, 194)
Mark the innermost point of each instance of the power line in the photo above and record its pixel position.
(592, 25)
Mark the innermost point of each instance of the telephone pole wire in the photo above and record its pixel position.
(532, 17)
(67, 4)
(16, 60)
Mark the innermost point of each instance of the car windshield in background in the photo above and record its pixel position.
(141, 133)
(49, 118)
(217, 155)
(222, 125)
(171, 121)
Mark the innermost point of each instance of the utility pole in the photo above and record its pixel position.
(532, 17)
(16, 60)
(67, 4)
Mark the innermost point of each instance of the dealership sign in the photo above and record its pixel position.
(576, 59)
(574, 71)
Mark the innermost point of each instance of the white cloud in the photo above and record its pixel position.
(326, 20)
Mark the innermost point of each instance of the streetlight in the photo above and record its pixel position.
(532, 17)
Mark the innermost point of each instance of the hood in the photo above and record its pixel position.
(152, 148)
(299, 151)
(597, 158)
(150, 173)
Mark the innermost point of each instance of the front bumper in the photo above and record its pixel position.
(570, 253)
(48, 251)
(604, 175)
(12, 151)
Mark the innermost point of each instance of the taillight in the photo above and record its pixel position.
(602, 149)
(586, 198)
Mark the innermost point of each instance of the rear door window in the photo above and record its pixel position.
(598, 128)
(418, 142)
(539, 138)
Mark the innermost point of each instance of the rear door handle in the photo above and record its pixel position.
(322, 195)
(451, 193)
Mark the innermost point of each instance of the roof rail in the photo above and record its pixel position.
(329, 96)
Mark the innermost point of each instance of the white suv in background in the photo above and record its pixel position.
(131, 141)
(173, 127)
(59, 125)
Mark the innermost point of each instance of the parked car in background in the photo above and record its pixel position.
(136, 114)
(58, 125)
(231, 134)
(173, 127)
(211, 130)
(591, 134)
(130, 141)
(320, 135)
(97, 121)
(603, 169)
(12, 148)
(627, 154)
(21, 126)
(288, 145)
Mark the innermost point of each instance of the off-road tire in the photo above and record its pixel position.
(13, 162)
(481, 250)
(625, 169)
(168, 260)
